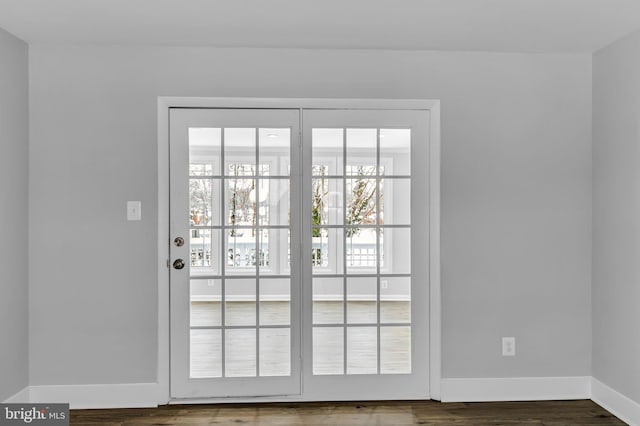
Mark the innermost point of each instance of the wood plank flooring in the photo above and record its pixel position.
(392, 413)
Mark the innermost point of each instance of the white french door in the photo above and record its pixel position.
(365, 296)
(299, 253)
(234, 285)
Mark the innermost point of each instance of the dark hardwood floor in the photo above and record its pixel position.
(392, 413)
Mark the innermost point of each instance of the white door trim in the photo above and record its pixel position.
(165, 103)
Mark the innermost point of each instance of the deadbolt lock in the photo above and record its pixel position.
(178, 264)
(179, 241)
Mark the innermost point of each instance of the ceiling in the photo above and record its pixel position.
(488, 25)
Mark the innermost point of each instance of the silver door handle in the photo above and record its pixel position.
(178, 264)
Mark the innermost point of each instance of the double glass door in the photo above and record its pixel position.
(299, 253)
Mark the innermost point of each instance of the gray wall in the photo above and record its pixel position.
(14, 133)
(616, 216)
(516, 219)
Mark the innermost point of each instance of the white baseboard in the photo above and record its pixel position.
(135, 395)
(21, 397)
(616, 403)
(452, 390)
(515, 389)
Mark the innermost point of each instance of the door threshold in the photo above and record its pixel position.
(291, 398)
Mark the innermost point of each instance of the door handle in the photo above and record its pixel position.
(178, 264)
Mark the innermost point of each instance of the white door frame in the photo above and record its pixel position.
(165, 103)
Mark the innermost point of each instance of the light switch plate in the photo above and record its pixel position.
(134, 210)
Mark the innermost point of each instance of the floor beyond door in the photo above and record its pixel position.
(396, 359)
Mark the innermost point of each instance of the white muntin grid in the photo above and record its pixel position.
(379, 227)
(220, 246)
(258, 227)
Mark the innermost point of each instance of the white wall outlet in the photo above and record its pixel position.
(384, 284)
(508, 346)
(134, 210)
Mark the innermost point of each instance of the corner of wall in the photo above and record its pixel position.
(13, 210)
(615, 346)
(616, 403)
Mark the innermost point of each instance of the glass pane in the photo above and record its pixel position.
(205, 252)
(206, 353)
(328, 302)
(275, 352)
(362, 350)
(274, 251)
(395, 350)
(361, 250)
(204, 202)
(326, 250)
(204, 151)
(362, 151)
(362, 306)
(275, 147)
(241, 251)
(395, 151)
(328, 350)
(205, 297)
(240, 353)
(273, 206)
(327, 152)
(240, 152)
(395, 202)
(361, 201)
(275, 301)
(240, 202)
(395, 250)
(327, 201)
(395, 299)
(240, 302)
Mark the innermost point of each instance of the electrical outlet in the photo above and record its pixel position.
(508, 346)
(134, 210)
(384, 284)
